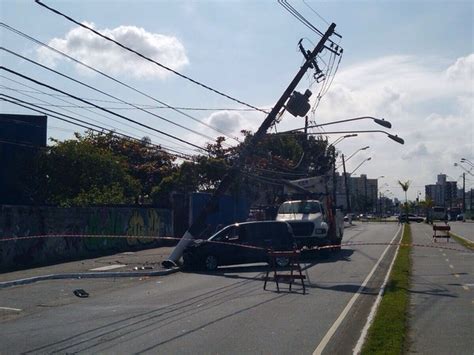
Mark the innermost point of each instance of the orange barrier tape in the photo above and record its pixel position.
(349, 244)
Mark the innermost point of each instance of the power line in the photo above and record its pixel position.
(147, 58)
(104, 93)
(165, 105)
(46, 103)
(315, 12)
(83, 124)
(103, 109)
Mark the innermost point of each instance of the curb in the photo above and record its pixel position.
(86, 275)
(469, 242)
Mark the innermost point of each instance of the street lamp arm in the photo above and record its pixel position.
(379, 121)
(358, 166)
(391, 136)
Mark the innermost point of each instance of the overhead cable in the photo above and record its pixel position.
(77, 61)
(82, 123)
(104, 93)
(147, 58)
(46, 103)
(101, 108)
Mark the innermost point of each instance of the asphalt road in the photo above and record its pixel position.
(227, 312)
(442, 298)
(463, 229)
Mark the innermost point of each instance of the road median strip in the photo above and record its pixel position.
(387, 334)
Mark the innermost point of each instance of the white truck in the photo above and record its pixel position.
(311, 223)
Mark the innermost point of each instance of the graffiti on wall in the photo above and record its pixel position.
(134, 226)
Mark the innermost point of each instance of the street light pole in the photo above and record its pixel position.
(358, 166)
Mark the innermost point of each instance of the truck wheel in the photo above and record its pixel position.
(210, 263)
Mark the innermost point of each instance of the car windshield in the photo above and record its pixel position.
(300, 207)
(229, 232)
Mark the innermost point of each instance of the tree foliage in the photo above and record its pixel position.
(76, 172)
(103, 168)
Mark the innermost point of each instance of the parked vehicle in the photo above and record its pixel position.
(233, 245)
(310, 223)
(439, 213)
(411, 218)
(461, 217)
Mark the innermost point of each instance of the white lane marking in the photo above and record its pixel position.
(444, 254)
(465, 287)
(108, 267)
(451, 266)
(457, 275)
(375, 306)
(447, 260)
(11, 309)
(354, 298)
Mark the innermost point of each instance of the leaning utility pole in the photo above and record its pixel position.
(198, 225)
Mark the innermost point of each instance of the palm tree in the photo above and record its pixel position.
(405, 185)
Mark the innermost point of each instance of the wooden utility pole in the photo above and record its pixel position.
(199, 223)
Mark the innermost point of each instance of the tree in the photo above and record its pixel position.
(275, 158)
(146, 162)
(405, 185)
(76, 172)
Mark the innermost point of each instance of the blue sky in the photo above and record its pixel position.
(410, 62)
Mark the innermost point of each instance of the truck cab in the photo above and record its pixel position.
(311, 223)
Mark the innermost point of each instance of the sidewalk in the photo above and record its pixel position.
(126, 264)
(441, 296)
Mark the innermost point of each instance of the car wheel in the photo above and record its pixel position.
(282, 261)
(210, 263)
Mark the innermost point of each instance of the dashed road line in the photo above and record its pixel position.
(451, 266)
(351, 302)
(456, 275)
(11, 309)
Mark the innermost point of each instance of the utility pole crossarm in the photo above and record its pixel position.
(234, 171)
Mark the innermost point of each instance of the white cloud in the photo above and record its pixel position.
(418, 151)
(429, 103)
(463, 69)
(104, 55)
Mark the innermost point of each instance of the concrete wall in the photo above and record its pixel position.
(23, 221)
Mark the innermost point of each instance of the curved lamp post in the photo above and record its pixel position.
(340, 139)
(358, 166)
(464, 160)
(391, 136)
(379, 121)
(463, 168)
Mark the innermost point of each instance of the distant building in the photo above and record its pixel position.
(363, 192)
(443, 193)
(21, 136)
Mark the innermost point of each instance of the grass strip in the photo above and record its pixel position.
(466, 243)
(388, 332)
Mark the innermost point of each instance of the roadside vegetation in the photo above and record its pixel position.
(388, 333)
(104, 168)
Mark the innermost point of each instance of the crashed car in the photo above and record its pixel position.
(240, 243)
